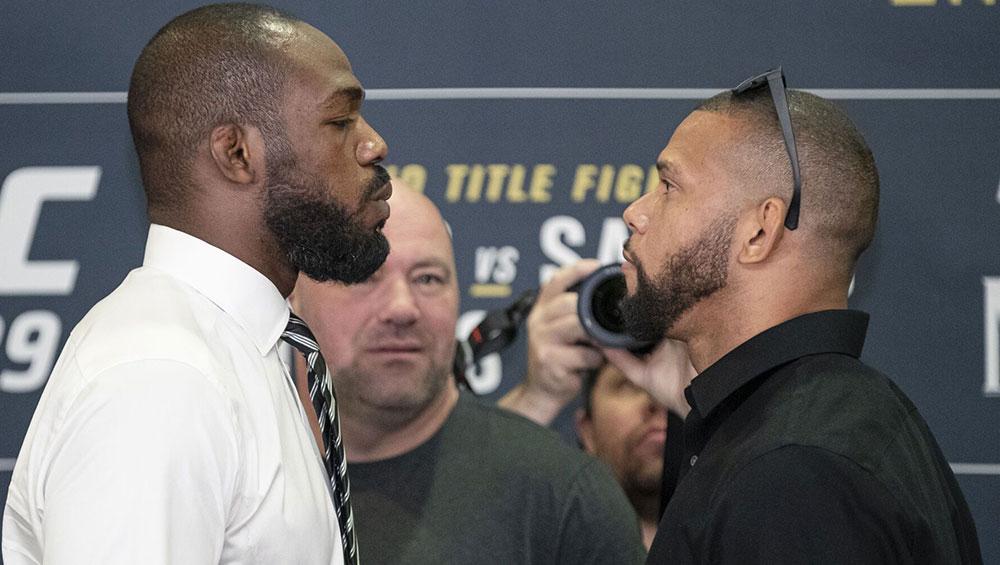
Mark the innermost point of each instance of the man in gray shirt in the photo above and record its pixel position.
(437, 476)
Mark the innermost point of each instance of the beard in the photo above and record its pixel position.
(317, 234)
(688, 276)
(643, 478)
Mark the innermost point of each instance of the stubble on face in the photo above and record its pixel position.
(319, 236)
(394, 395)
(690, 275)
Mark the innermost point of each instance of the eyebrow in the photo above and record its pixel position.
(435, 263)
(352, 95)
(665, 166)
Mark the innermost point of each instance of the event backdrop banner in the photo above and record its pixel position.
(533, 125)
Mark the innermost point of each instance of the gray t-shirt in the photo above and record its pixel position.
(492, 487)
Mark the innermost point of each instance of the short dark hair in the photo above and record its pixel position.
(840, 183)
(212, 65)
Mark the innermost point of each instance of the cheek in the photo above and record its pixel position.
(442, 326)
(613, 425)
(343, 336)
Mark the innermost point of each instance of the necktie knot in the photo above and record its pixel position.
(298, 334)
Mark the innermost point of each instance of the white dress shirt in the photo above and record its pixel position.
(170, 431)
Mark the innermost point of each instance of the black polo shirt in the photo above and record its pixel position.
(796, 452)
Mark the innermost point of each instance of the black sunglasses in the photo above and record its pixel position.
(775, 80)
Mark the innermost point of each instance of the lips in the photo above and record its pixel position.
(396, 347)
(653, 437)
(384, 192)
(656, 431)
(627, 252)
(380, 202)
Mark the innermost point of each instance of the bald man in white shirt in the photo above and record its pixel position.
(169, 431)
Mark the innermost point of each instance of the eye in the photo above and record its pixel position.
(341, 124)
(668, 185)
(428, 279)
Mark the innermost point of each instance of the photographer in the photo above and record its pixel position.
(560, 352)
(619, 423)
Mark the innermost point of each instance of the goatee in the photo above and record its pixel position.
(690, 275)
(319, 236)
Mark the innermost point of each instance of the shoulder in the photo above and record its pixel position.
(841, 378)
(150, 316)
(540, 455)
(568, 503)
(517, 438)
(590, 516)
(780, 477)
(797, 501)
(518, 449)
(839, 404)
(149, 341)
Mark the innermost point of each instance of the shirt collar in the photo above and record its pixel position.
(830, 331)
(241, 291)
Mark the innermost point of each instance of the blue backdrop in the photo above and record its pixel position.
(532, 125)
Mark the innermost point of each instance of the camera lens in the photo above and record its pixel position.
(599, 296)
(604, 304)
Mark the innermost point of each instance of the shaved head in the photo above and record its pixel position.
(213, 65)
(410, 209)
(840, 184)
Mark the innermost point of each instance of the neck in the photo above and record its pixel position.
(381, 434)
(254, 245)
(729, 323)
(647, 507)
(648, 529)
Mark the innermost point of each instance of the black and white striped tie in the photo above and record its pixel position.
(325, 402)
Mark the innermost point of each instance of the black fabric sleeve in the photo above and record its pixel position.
(801, 504)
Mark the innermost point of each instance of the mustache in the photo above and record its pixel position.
(378, 180)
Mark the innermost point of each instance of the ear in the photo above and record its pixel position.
(761, 231)
(585, 431)
(238, 153)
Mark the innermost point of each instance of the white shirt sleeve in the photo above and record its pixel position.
(143, 468)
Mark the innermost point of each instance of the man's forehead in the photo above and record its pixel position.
(419, 242)
(315, 55)
(351, 94)
(696, 142)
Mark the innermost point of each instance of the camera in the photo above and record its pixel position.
(600, 294)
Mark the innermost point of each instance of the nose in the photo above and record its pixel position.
(635, 216)
(401, 307)
(372, 148)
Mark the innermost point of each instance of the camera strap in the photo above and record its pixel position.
(496, 332)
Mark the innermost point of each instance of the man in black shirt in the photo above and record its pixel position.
(795, 451)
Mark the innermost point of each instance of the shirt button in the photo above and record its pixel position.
(694, 459)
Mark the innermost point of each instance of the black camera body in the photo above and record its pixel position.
(598, 308)
(599, 296)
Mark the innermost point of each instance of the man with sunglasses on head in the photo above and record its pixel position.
(795, 451)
